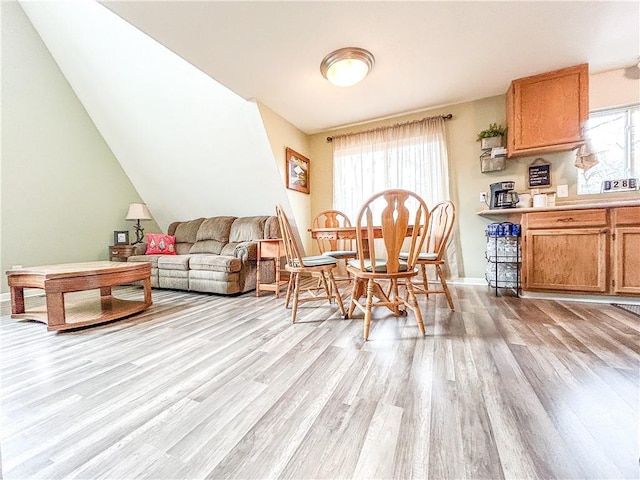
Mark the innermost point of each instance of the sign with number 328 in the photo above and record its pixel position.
(620, 185)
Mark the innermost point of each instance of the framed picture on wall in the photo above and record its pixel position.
(121, 237)
(297, 171)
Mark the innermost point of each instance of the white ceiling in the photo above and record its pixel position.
(428, 54)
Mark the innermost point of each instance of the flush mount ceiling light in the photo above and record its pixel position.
(347, 66)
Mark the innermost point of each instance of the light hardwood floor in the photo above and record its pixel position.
(203, 386)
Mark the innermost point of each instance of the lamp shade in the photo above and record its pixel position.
(138, 211)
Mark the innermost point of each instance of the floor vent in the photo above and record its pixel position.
(635, 309)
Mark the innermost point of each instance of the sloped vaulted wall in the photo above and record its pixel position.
(63, 193)
(189, 145)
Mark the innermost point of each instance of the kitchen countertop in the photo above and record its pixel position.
(562, 206)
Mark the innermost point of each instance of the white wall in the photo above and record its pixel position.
(190, 146)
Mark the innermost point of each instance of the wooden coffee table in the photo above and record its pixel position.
(56, 280)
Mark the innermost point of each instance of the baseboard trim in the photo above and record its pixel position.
(467, 281)
(568, 297)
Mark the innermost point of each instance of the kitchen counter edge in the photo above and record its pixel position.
(567, 206)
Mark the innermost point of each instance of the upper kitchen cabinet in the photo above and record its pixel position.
(546, 112)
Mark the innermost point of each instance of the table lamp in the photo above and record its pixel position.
(137, 212)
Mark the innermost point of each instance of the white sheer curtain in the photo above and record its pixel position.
(412, 156)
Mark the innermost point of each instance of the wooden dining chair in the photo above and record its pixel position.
(337, 248)
(341, 249)
(441, 222)
(296, 265)
(402, 217)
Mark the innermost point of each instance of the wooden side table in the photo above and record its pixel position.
(120, 252)
(270, 249)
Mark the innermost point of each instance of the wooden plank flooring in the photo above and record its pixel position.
(203, 386)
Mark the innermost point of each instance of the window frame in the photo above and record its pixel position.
(631, 162)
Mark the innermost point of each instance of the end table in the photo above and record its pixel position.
(270, 249)
(120, 252)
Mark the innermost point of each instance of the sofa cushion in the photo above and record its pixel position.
(186, 234)
(215, 282)
(152, 259)
(215, 263)
(173, 262)
(212, 235)
(178, 280)
(160, 244)
(246, 229)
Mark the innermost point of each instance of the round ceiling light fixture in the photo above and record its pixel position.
(347, 66)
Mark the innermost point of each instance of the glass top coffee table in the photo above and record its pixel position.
(56, 280)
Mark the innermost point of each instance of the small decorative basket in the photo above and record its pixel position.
(490, 142)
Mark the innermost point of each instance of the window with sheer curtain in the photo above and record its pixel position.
(412, 156)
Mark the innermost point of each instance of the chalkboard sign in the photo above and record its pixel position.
(539, 175)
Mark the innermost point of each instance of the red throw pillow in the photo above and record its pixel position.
(160, 244)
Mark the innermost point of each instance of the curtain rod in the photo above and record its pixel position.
(448, 116)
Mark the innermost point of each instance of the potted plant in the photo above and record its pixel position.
(492, 136)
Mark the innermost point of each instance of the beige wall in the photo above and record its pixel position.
(612, 89)
(466, 180)
(283, 134)
(63, 192)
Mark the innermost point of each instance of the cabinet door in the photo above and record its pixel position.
(546, 112)
(626, 260)
(566, 259)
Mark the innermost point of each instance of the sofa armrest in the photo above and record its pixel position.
(272, 228)
(246, 251)
(140, 249)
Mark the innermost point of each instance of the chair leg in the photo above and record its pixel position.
(292, 280)
(396, 296)
(415, 307)
(369, 306)
(323, 279)
(447, 293)
(334, 286)
(356, 293)
(425, 281)
(296, 292)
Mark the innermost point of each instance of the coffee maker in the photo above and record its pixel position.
(503, 195)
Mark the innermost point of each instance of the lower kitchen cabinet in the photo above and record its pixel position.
(571, 259)
(591, 251)
(626, 250)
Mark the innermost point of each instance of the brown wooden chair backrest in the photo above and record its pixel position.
(332, 219)
(291, 248)
(395, 211)
(441, 221)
